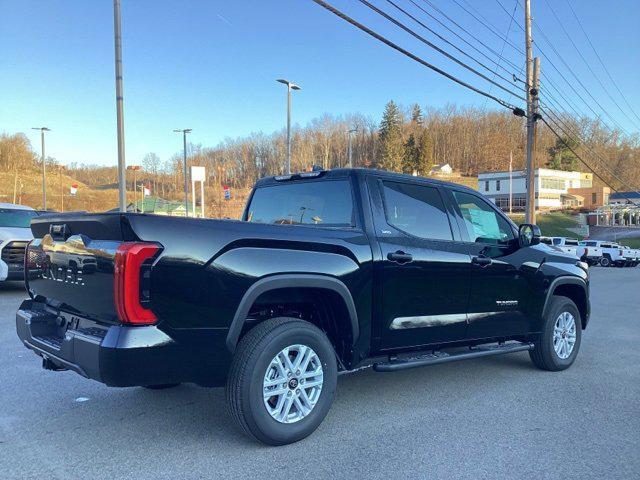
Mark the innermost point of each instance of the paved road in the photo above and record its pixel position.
(487, 418)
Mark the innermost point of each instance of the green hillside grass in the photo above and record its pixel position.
(555, 224)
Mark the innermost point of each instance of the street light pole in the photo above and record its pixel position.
(122, 192)
(290, 86)
(44, 165)
(184, 163)
(349, 132)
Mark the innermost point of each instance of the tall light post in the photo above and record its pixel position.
(290, 86)
(122, 174)
(349, 132)
(44, 165)
(184, 132)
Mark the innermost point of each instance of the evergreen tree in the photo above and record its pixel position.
(390, 135)
(425, 154)
(560, 155)
(416, 114)
(411, 155)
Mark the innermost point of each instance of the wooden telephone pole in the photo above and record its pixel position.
(532, 89)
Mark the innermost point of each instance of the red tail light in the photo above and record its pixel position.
(586, 252)
(131, 282)
(620, 252)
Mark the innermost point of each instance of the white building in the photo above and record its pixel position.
(441, 170)
(552, 188)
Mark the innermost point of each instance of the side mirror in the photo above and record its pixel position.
(528, 235)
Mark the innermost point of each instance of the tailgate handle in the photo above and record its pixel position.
(59, 231)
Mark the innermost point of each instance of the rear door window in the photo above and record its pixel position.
(326, 203)
(417, 210)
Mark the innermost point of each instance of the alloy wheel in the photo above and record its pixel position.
(292, 383)
(564, 335)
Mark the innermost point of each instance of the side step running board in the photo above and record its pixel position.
(442, 357)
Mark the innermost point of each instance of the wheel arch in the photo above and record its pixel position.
(576, 290)
(291, 281)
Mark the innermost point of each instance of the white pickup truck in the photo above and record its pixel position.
(612, 254)
(15, 235)
(567, 245)
(589, 251)
(631, 256)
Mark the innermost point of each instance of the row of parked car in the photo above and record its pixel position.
(596, 252)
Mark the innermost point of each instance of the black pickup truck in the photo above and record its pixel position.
(327, 272)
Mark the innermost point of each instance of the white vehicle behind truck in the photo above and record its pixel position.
(15, 234)
(567, 245)
(631, 256)
(589, 251)
(612, 254)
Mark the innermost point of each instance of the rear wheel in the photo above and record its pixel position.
(282, 380)
(605, 261)
(557, 346)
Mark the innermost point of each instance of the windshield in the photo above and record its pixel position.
(324, 203)
(10, 217)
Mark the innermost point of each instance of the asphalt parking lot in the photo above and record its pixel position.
(496, 417)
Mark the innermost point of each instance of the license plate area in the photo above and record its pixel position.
(50, 328)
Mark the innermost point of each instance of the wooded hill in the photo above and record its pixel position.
(410, 139)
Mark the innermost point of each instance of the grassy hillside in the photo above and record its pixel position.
(631, 242)
(99, 198)
(555, 224)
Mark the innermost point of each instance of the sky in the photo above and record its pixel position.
(212, 65)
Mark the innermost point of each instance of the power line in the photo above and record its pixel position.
(580, 158)
(490, 27)
(548, 80)
(564, 30)
(584, 142)
(506, 36)
(492, 81)
(460, 27)
(559, 123)
(570, 84)
(377, 36)
(576, 78)
(613, 81)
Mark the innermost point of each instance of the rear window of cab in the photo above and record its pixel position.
(327, 203)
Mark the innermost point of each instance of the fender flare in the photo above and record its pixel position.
(289, 281)
(565, 280)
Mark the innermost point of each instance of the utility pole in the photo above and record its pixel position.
(61, 191)
(15, 185)
(349, 132)
(122, 175)
(44, 165)
(532, 114)
(184, 132)
(511, 181)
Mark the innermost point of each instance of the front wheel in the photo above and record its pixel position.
(557, 346)
(282, 380)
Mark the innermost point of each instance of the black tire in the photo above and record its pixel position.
(162, 386)
(543, 354)
(253, 355)
(605, 262)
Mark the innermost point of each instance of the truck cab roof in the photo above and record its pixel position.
(342, 173)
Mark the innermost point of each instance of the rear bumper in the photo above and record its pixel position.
(116, 355)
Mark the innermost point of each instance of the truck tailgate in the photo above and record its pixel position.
(71, 263)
